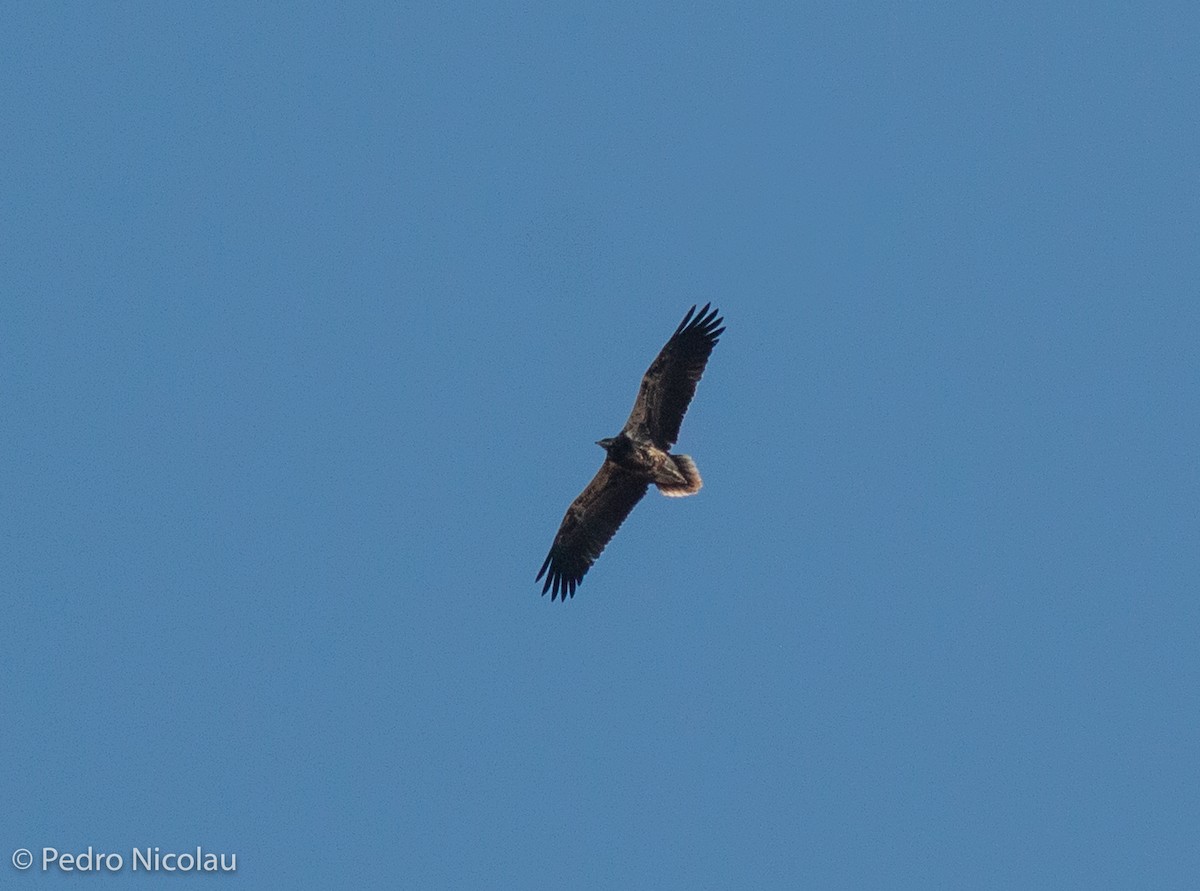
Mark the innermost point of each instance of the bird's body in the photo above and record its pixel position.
(675, 475)
(637, 457)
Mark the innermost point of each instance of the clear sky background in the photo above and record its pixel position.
(311, 317)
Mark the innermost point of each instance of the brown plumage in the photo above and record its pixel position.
(637, 456)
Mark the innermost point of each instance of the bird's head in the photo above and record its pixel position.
(606, 443)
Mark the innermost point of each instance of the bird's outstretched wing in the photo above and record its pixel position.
(590, 522)
(670, 381)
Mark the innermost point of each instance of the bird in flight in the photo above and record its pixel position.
(637, 456)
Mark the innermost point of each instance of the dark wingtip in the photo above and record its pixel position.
(560, 586)
(713, 324)
(704, 321)
(686, 319)
(549, 578)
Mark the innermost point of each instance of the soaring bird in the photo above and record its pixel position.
(637, 456)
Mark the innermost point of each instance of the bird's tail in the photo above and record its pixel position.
(691, 482)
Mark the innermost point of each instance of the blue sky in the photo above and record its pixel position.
(311, 318)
